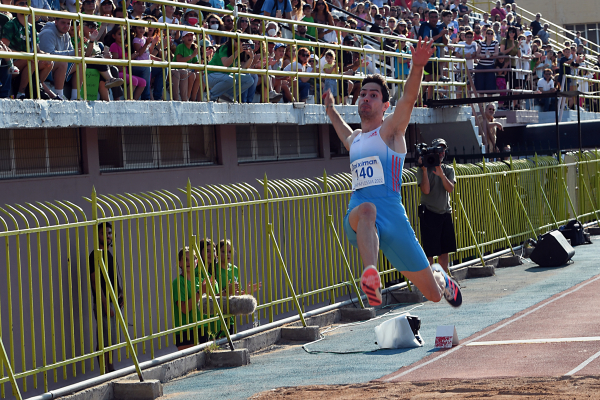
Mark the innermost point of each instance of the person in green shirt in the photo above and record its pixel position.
(301, 31)
(221, 84)
(185, 81)
(311, 30)
(183, 302)
(14, 36)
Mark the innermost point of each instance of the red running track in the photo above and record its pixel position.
(572, 314)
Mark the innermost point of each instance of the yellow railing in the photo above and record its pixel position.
(202, 67)
(286, 234)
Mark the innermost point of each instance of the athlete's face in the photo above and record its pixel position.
(370, 103)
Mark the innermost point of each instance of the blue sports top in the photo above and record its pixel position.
(376, 169)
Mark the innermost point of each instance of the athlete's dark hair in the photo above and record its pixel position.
(380, 80)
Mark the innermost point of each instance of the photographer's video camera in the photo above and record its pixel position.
(430, 155)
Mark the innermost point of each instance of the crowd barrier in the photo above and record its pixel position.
(286, 234)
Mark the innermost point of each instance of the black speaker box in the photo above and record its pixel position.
(552, 250)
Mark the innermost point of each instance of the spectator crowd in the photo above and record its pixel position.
(507, 53)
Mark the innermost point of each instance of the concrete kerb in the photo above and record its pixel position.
(149, 389)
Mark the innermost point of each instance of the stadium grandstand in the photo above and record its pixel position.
(148, 115)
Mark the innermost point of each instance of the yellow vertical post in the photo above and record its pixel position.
(11, 375)
(192, 244)
(98, 292)
(268, 250)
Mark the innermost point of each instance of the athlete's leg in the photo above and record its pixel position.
(425, 281)
(362, 221)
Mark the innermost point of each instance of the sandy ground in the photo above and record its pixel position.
(575, 388)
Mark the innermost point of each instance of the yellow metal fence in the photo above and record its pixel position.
(287, 234)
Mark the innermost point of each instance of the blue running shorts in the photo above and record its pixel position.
(397, 238)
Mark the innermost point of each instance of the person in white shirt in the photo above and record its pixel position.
(300, 86)
(546, 85)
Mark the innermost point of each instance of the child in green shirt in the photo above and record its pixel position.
(310, 30)
(185, 81)
(183, 302)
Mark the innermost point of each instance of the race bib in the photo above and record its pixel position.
(367, 172)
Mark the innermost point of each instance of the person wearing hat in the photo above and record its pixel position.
(435, 212)
(137, 9)
(378, 25)
(375, 217)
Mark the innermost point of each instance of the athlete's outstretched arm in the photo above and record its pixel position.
(399, 121)
(342, 129)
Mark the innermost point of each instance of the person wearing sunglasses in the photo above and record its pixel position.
(487, 50)
(243, 25)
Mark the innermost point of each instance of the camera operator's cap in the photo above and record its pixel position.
(439, 142)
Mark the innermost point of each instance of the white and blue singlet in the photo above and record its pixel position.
(377, 178)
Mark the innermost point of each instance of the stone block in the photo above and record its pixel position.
(509, 261)
(481, 272)
(300, 333)
(405, 296)
(357, 314)
(228, 358)
(135, 390)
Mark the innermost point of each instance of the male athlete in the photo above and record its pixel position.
(375, 214)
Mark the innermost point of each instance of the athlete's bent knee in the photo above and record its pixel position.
(367, 211)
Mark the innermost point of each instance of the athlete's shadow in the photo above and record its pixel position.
(388, 352)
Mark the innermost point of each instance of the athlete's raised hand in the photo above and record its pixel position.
(328, 99)
(422, 52)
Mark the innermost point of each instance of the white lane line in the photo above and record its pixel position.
(533, 341)
(583, 364)
(448, 352)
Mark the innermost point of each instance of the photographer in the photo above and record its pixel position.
(435, 212)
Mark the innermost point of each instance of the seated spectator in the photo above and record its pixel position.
(107, 8)
(185, 82)
(55, 39)
(310, 30)
(183, 301)
(301, 31)
(243, 25)
(228, 23)
(327, 66)
(463, 9)
(219, 4)
(280, 84)
(297, 13)
(490, 127)
(277, 8)
(402, 28)
(93, 49)
(215, 23)
(7, 70)
(88, 7)
(42, 5)
(190, 18)
(114, 39)
(138, 9)
(301, 86)
(142, 45)
(13, 36)
(362, 14)
(546, 85)
(154, 10)
(469, 52)
(321, 15)
(221, 84)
